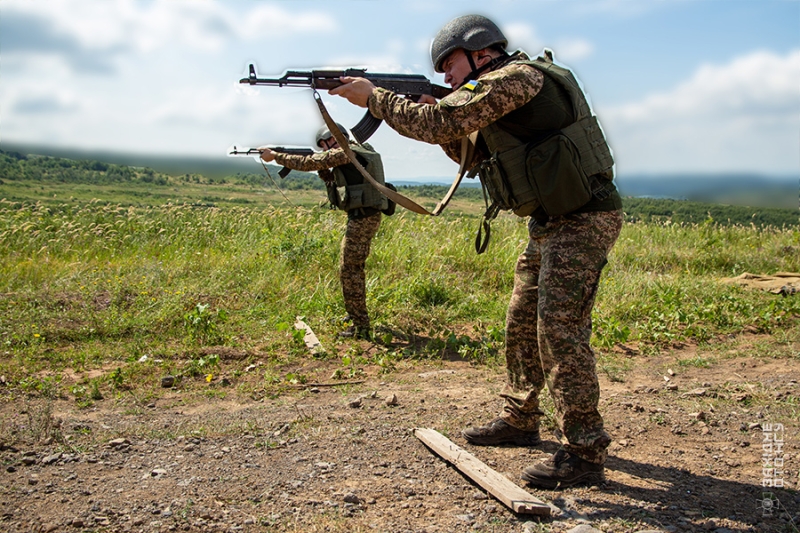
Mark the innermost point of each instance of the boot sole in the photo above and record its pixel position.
(589, 478)
(518, 441)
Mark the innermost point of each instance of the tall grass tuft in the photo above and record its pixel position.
(85, 284)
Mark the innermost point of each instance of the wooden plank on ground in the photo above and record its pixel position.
(496, 484)
(310, 338)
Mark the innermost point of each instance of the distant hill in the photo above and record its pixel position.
(737, 189)
(35, 177)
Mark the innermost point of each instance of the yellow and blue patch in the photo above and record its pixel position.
(470, 85)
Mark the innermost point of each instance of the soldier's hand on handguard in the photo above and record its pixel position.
(426, 99)
(266, 154)
(356, 90)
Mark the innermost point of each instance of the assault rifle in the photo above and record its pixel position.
(255, 152)
(409, 85)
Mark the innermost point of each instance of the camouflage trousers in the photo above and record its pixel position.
(355, 249)
(549, 325)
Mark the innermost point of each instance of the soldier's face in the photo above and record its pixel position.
(456, 68)
(328, 144)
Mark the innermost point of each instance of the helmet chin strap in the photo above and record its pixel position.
(477, 71)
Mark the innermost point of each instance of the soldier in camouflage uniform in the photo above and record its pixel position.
(362, 221)
(548, 324)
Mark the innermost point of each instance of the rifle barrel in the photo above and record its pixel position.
(405, 84)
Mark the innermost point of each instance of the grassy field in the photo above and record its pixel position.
(96, 275)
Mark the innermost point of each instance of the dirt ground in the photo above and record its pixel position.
(687, 455)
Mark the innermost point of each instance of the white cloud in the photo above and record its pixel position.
(522, 35)
(741, 116)
(196, 24)
(570, 50)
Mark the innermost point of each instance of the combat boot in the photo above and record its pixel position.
(355, 332)
(497, 432)
(562, 470)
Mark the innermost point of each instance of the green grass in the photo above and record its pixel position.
(99, 284)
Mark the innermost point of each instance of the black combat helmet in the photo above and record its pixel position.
(323, 134)
(470, 32)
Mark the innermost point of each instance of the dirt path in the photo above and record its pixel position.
(687, 455)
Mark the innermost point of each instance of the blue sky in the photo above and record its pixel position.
(680, 86)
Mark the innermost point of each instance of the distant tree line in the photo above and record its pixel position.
(17, 166)
(688, 212)
(28, 167)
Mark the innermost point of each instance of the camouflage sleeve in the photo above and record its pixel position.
(307, 163)
(326, 175)
(465, 110)
(453, 151)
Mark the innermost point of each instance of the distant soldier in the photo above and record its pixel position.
(542, 154)
(348, 191)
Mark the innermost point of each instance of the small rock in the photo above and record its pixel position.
(351, 498)
(158, 472)
(116, 443)
(391, 400)
(584, 528)
(167, 381)
(355, 404)
(50, 459)
(753, 426)
(700, 415)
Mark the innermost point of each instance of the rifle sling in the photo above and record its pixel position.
(467, 149)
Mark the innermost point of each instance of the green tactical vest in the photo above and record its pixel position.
(556, 167)
(350, 190)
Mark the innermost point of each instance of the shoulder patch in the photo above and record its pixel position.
(470, 85)
(457, 98)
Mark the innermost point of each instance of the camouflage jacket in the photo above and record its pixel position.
(321, 162)
(462, 112)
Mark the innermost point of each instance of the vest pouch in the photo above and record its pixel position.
(593, 151)
(512, 165)
(492, 179)
(504, 176)
(334, 196)
(353, 197)
(554, 169)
